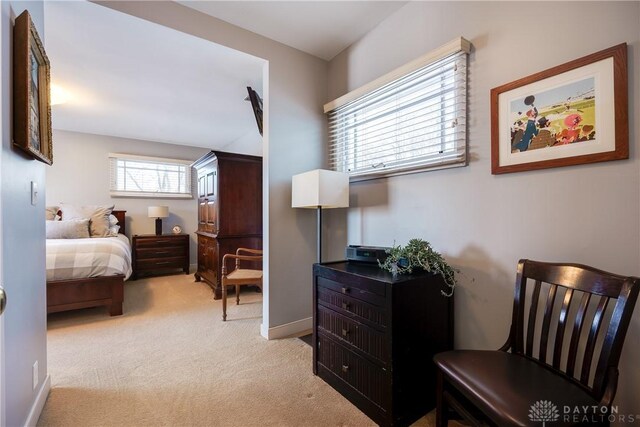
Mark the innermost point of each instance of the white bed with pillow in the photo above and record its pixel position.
(82, 258)
(88, 258)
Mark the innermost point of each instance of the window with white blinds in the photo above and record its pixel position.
(416, 121)
(141, 176)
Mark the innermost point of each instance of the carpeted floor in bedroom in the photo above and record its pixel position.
(171, 361)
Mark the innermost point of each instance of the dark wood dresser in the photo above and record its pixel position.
(375, 335)
(152, 253)
(229, 211)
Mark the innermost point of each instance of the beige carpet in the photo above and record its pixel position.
(170, 360)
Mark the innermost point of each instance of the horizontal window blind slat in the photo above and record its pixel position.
(437, 162)
(408, 143)
(437, 119)
(417, 121)
(404, 153)
(453, 63)
(434, 103)
(373, 141)
(437, 86)
(134, 176)
(421, 90)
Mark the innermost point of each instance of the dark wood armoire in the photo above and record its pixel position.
(229, 211)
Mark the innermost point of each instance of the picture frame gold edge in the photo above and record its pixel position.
(22, 30)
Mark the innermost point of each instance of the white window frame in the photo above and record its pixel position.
(113, 177)
(346, 145)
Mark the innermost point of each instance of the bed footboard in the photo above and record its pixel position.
(64, 295)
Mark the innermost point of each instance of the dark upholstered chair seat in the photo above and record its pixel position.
(504, 386)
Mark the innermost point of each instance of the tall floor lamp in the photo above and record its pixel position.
(320, 189)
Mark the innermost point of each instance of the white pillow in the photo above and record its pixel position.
(114, 230)
(52, 213)
(68, 229)
(99, 216)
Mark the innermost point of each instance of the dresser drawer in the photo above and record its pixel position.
(352, 307)
(358, 335)
(161, 252)
(159, 263)
(367, 378)
(370, 292)
(161, 242)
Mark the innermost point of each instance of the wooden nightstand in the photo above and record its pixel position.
(152, 253)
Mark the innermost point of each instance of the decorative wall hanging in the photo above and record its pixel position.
(31, 94)
(567, 115)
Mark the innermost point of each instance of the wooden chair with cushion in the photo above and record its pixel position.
(563, 353)
(239, 276)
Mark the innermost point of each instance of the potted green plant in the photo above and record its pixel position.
(418, 253)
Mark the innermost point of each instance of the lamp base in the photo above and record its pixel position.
(158, 226)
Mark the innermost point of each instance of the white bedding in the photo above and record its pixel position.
(92, 257)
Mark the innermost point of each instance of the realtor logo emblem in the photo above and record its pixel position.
(543, 411)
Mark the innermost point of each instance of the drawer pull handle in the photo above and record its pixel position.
(345, 332)
(164, 262)
(346, 306)
(345, 368)
(345, 290)
(163, 252)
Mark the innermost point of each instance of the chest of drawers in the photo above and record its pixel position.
(375, 335)
(152, 253)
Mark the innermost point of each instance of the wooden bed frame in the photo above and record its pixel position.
(64, 295)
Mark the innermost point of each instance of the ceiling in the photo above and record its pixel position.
(321, 28)
(130, 78)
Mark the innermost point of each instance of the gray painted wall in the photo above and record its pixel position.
(294, 90)
(80, 175)
(23, 252)
(483, 223)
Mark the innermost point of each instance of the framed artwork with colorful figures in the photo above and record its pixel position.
(571, 114)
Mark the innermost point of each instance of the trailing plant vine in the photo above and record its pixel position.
(418, 253)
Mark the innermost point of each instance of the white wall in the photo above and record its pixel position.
(80, 175)
(250, 143)
(23, 252)
(294, 91)
(484, 223)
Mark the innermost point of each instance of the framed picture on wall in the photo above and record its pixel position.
(567, 115)
(31, 94)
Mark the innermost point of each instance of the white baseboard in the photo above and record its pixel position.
(297, 328)
(38, 404)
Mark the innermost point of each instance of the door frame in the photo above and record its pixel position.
(3, 412)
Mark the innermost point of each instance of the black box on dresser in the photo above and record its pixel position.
(375, 335)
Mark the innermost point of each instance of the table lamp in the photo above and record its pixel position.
(318, 189)
(158, 212)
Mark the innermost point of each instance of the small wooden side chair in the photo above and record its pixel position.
(239, 276)
(562, 354)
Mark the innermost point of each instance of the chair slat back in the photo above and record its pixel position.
(562, 323)
(546, 322)
(594, 332)
(607, 318)
(533, 310)
(575, 334)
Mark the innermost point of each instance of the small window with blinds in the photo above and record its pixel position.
(141, 176)
(409, 120)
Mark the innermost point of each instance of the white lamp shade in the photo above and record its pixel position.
(158, 211)
(320, 188)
